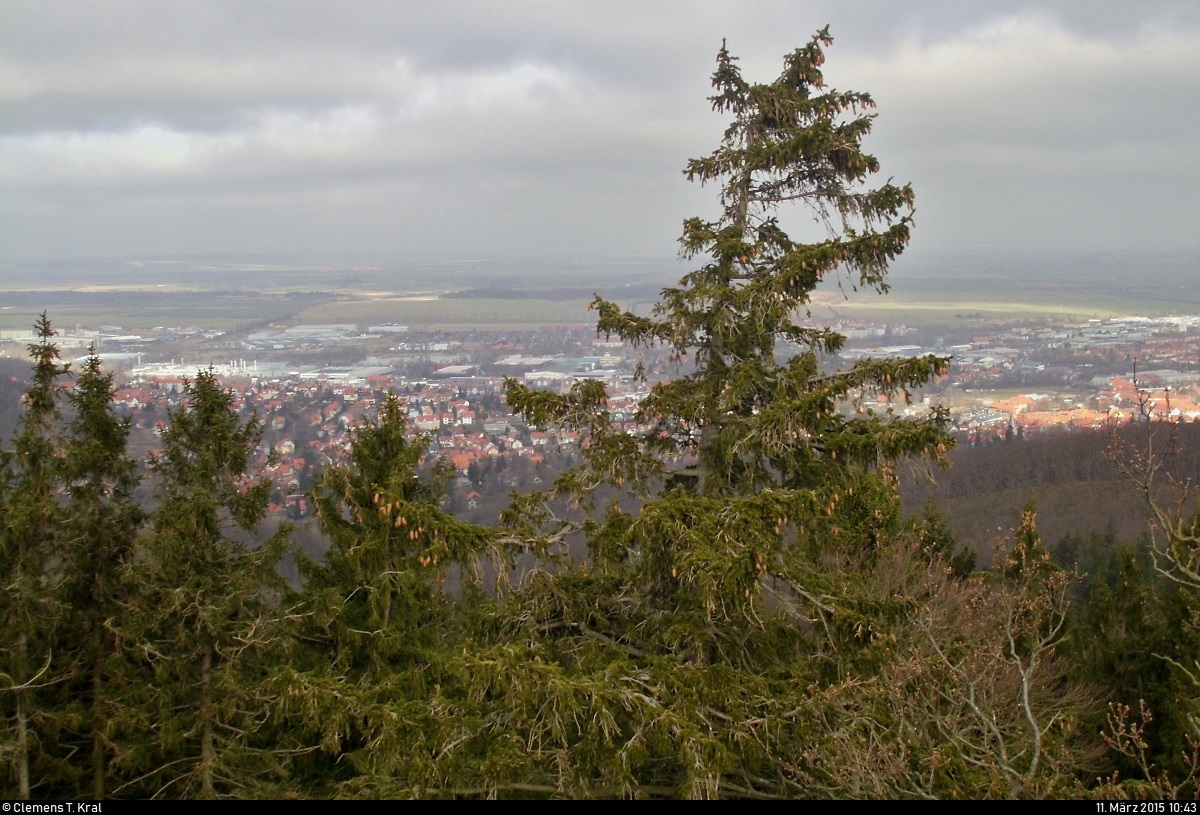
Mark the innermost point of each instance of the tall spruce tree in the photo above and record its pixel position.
(208, 606)
(30, 538)
(685, 655)
(758, 412)
(100, 525)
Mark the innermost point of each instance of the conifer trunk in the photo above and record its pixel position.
(97, 718)
(207, 747)
(716, 342)
(22, 726)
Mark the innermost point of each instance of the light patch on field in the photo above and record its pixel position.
(959, 312)
(160, 288)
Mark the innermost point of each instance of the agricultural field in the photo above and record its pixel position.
(140, 309)
(933, 303)
(449, 313)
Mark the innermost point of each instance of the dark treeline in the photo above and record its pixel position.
(1046, 459)
(1072, 476)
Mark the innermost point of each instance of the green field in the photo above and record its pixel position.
(447, 313)
(139, 310)
(923, 305)
(929, 314)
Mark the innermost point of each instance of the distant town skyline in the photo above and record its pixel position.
(380, 131)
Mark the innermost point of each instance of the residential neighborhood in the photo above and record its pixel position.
(1017, 379)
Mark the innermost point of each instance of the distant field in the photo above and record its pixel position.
(146, 309)
(143, 309)
(928, 310)
(226, 301)
(449, 312)
(233, 311)
(921, 314)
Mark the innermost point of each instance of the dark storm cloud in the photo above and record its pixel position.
(529, 127)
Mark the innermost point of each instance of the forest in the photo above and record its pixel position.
(731, 603)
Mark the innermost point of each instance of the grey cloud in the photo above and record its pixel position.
(494, 126)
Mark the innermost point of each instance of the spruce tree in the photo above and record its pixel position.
(376, 621)
(1149, 460)
(206, 621)
(30, 537)
(100, 525)
(685, 654)
(1125, 634)
(758, 411)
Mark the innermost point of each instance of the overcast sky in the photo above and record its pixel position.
(390, 130)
